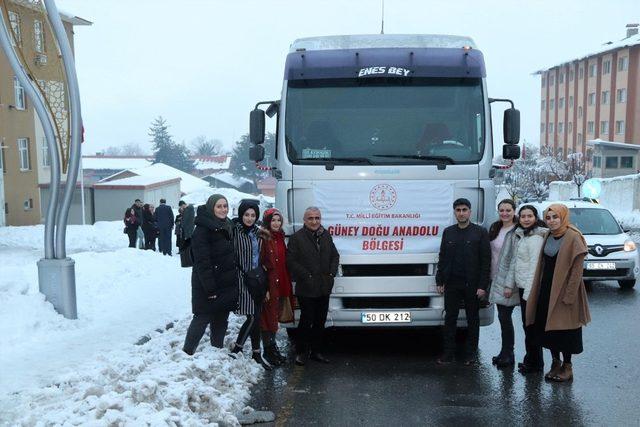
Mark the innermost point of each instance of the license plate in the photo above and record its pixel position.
(386, 317)
(601, 266)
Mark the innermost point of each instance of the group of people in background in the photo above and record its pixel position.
(144, 224)
(521, 261)
(230, 256)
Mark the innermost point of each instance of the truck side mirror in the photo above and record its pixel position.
(510, 151)
(256, 153)
(256, 126)
(511, 126)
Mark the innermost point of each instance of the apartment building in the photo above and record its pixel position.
(24, 155)
(593, 98)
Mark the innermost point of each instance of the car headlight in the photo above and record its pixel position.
(629, 246)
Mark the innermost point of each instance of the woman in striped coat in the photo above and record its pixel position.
(247, 238)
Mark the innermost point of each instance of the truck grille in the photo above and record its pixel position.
(385, 302)
(372, 270)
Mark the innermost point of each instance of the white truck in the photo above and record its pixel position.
(383, 133)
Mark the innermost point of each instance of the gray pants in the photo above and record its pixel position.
(217, 325)
(140, 236)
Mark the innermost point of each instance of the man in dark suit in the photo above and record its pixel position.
(165, 220)
(464, 265)
(313, 261)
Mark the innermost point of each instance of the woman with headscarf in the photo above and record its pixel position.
(247, 238)
(273, 257)
(214, 286)
(557, 306)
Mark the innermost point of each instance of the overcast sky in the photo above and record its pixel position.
(202, 65)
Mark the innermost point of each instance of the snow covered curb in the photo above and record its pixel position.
(155, 383)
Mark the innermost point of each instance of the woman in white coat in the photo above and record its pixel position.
(502, 247)
(529, 237)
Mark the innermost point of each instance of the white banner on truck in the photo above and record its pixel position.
(385, 217)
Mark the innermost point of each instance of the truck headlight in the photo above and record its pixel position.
(629, 246)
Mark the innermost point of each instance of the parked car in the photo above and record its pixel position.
(612, 254)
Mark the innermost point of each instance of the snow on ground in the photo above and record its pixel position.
(90, 370)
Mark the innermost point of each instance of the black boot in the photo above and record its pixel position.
(234, 352)
(270, 356)
(257, 357)
(507, 359)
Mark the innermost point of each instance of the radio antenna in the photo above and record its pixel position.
(382, 28)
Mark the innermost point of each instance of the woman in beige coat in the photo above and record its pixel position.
(557, 306)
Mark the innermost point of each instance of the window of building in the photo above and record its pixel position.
(626, 162)
(611, 162)
(590, 127)
(623, 63)
(560, 127)
(580, 112)
(619, 127)
(552, 104)
(543, 127)
(580, 73)
(561, 78)
(14, 21)
(20, 101)
(543, 104)
(28, 204)
(561, 103)
(592, 70)
(571, 102)
(551, 80)
(606, 67)
(570, 127)
(621, 96)
(550, 127)
(605, 97)
(604, 126)
(591, 99)
(580, 139)
(597, 161)
(46, 158)
(38, 36)
(544, 80)
(23, 151)
(571, 75)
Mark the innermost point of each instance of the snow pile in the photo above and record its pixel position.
(89, 370)
(621, 193)
(102, 236)
(154, 384)
(233, 196)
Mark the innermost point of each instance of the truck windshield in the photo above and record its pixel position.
(385, 121)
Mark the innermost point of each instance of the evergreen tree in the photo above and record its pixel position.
(166, 150)
(242, 166)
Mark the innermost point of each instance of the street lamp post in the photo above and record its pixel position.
(56, 272)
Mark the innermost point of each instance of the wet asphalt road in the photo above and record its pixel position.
(389, 377)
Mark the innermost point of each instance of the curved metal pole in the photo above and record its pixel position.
(43, 114)
(75, 128)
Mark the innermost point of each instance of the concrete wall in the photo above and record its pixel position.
(110, 204)
(75, 211)
(621, 193)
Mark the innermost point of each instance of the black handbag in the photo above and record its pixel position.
(256, 281)
(186, 257)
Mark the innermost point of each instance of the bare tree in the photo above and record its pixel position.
(206, 147)
(133, 149)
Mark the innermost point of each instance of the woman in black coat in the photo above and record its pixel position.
(149, 227)
(131, 226)
(214, 284)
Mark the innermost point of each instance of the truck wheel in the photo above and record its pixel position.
(626, 284)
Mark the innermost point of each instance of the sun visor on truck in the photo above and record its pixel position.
(397, 62)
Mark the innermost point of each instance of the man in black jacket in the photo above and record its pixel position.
(313, 260)
(463, 276)
(165, 221)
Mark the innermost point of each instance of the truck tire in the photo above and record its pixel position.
(626, 284)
